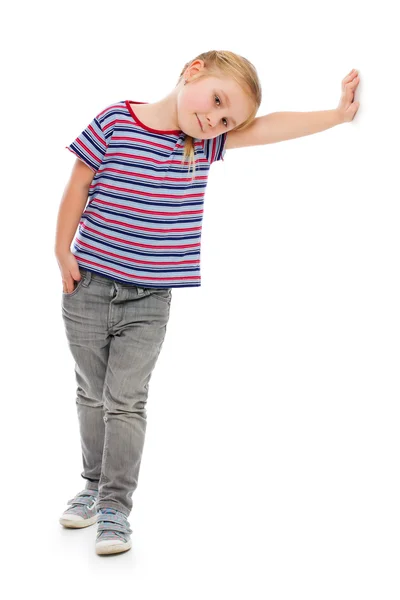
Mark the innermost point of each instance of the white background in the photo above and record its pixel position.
(271, 461)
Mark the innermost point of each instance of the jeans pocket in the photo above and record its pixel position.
(163, 294)
(78, 285)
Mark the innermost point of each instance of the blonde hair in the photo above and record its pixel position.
(227, 64)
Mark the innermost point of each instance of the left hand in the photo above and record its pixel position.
(347, 107)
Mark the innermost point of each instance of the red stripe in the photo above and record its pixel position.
(147, 212)
(96, 135)
(149, 177)
(148, 229)
(96, 158)
(141, 140)
(150, 159)
(136, 261)
(116, 271)
(147, 194)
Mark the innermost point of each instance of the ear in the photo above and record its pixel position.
(196, 67)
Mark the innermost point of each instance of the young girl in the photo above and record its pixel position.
(138, 237)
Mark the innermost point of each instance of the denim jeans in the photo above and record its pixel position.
(115, 332)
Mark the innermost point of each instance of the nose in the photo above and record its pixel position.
(211, 121)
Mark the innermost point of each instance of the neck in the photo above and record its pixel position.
(163, 114)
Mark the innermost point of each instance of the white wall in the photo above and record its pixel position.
(271, 461)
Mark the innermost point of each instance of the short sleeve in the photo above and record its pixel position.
(91, 145)
(215, 148)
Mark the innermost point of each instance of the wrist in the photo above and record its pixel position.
(339, 116)
(61, 251)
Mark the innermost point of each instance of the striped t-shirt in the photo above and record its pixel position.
(142, 223)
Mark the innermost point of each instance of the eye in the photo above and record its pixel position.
(226, 121)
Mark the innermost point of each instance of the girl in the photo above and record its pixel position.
(138, 237)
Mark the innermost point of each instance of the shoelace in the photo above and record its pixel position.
(111, 523)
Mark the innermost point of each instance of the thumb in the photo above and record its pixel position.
(76, 274)
(354, 107)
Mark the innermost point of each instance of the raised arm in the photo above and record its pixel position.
(281, 126)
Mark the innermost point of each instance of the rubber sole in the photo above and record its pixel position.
(113, 548)
(78, 524)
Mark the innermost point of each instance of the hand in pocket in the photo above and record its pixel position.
(70, 273)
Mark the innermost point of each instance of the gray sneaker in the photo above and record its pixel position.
(82, 512)
(112, 532)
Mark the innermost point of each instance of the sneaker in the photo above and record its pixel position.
(82, 512)
(112, 532)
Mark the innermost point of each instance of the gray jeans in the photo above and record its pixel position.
(115, 332)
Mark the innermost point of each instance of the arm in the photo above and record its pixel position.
(71, 208)
(280, 126)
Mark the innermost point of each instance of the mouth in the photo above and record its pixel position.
(199, 122)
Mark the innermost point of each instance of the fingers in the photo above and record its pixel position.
(351, 78)
(69, 282)
(68, 285)
(350, 82)
(351, 85)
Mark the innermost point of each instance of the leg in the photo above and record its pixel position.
(139, 333)
(85, 313)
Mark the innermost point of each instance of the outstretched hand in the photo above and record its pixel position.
(347, 107)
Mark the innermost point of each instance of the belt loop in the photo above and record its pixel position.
(140, 290)
(87, 276)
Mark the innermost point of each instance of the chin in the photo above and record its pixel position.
(193, 134)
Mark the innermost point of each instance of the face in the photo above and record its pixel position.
(220, 104)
